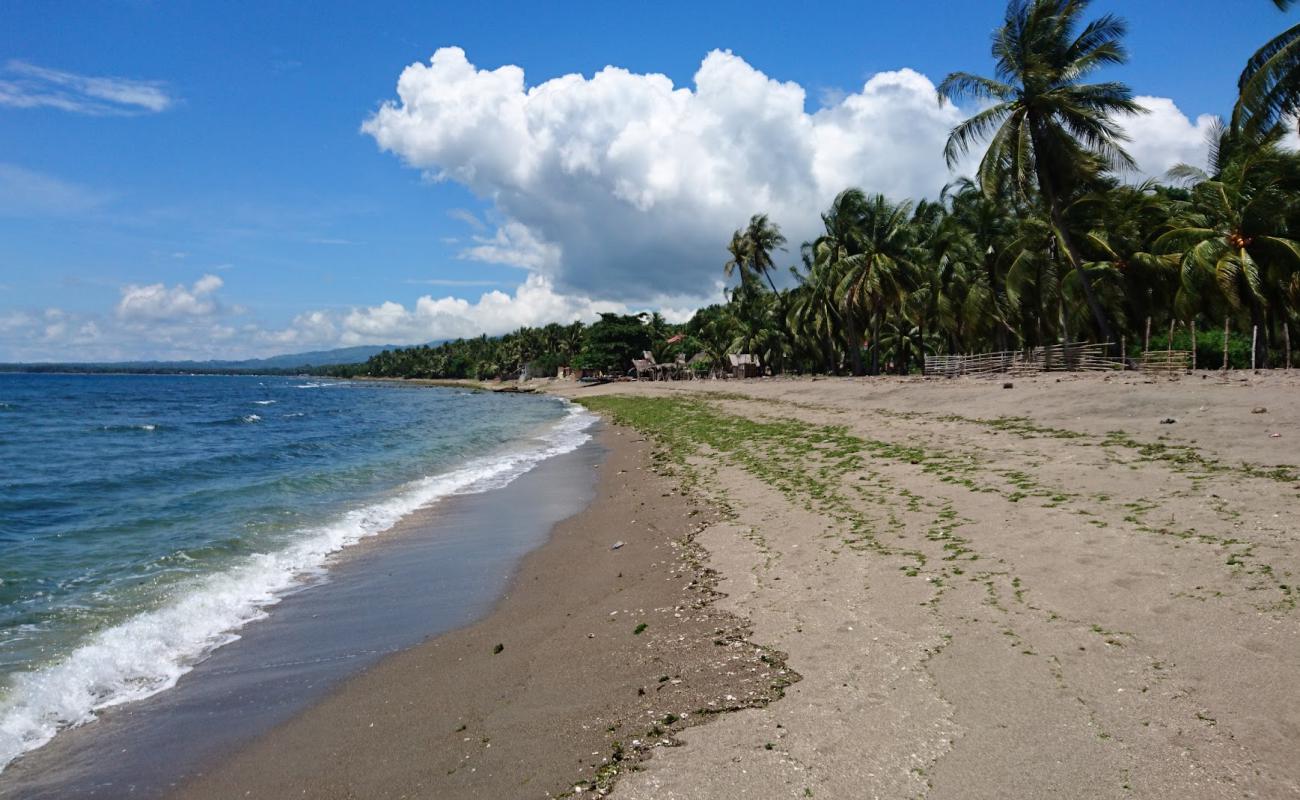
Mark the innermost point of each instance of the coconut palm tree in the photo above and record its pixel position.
(879, 274)
(814, 318)
(829, 253)
(1122, 224)
(739, 262)
(1047, 130)
(979, 225)
(1269, 86)
(1233, 240)
(762, 237)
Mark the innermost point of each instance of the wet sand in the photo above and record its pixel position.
(596, 655)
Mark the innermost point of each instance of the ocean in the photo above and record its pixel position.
(146, 521)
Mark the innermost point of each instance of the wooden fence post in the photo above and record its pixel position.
(1192, 325)
(1123, 351)
(1146, 343)
(1286, 336)
(1171, 335)
(1254, 342)
(1225, 344)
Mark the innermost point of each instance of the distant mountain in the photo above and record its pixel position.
(315, 358)
(286, 363)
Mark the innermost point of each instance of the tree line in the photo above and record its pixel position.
(1048, 241)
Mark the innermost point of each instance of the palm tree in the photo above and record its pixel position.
(1234, 236)
(978, 229)
(814, 318)
(1047, 129)
(829, 255)
(739, 262)
(878, 275)
(761, 238)
(1123, 223)
(1269, 86)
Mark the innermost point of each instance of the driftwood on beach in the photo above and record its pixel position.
(1073, 357)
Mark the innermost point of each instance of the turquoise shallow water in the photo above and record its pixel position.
(145, 519)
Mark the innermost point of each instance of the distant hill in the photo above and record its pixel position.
(316, 358)
(293, 362)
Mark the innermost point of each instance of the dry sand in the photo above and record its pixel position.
(978, 607)
(1092, 618)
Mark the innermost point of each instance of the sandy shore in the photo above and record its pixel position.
(1042, 591)
(596, 655)
(1077, 588)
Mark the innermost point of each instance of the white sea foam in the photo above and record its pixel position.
(148, 653)
(252, 418)
(263, 402)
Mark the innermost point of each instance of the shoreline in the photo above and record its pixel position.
(597, 668)
(434, 570)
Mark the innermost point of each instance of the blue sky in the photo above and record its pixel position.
(219, 198)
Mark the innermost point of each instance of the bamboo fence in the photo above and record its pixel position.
(1072, 357)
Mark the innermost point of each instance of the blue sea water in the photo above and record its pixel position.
(144, 520)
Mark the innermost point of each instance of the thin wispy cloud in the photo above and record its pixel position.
(450, 282)
(27, 193)
(24, 85)
(467, 217)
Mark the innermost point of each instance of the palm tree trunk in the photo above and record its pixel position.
(875, 343)
(854, 337)
(1047, 187)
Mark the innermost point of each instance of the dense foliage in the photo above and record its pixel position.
(1047, 242)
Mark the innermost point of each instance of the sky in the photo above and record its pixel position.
(237, 179)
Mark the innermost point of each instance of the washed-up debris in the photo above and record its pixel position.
(1008, 386)
(1259, 410)
(1168, 421)
(616, 545)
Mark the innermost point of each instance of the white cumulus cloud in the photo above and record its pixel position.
(1165, 137)
(157, 302)
(625, 186)
(535, 302)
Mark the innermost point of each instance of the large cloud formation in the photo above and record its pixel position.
(625, 186)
